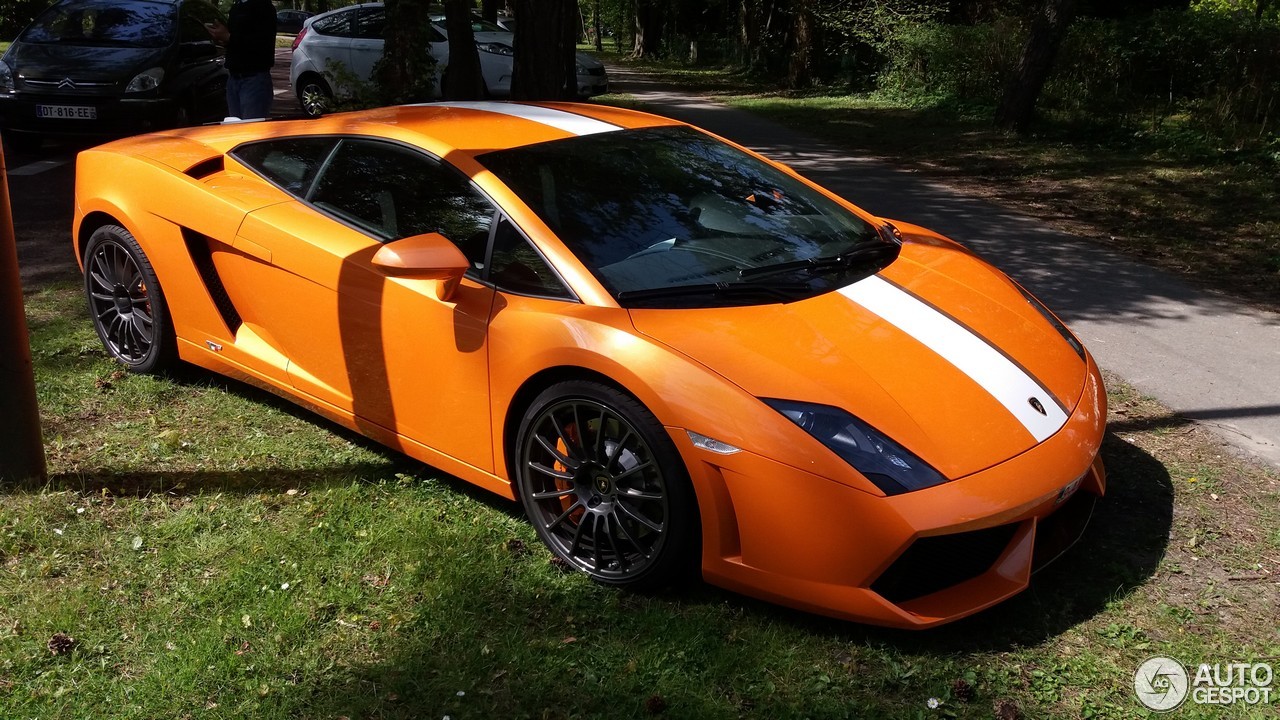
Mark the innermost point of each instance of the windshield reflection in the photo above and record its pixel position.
(663, 208)
(100, 23)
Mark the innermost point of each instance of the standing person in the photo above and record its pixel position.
(250, 38)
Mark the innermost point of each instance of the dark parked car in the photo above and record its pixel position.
(289, 22)
(112, 67)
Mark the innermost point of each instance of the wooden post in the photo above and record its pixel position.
(21, 447)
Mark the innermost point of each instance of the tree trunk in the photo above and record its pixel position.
(649, 19)
(462, 79)
(489, 10)
(21, 447)
(800, 68)
(748, 35)
(1047, 30)
(545, 42)
(406, 71)
(595, 16)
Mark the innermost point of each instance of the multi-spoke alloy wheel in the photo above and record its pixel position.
(314, 96)
(604, 486)
(128, 308)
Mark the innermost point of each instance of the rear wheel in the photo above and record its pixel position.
(604, 486)
(314, 95)
(128, 308)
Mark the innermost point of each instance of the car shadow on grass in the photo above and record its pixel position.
(387, 463)
(527, 641)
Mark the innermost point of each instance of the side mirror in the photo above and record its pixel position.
(426, 257)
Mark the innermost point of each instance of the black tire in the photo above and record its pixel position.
(315, 97)
(126, 302)
(617, 504)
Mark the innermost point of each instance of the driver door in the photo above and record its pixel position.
(384, 348)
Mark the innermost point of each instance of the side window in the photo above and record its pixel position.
(371, 24)
(393, 192)
(191, 30)
(338, 24)
(516, 267)
(291, 163)
(202, 12)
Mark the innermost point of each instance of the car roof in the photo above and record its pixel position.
(443, 128)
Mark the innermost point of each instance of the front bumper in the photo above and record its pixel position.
(114, 116)
(914, 560)
(591, 84)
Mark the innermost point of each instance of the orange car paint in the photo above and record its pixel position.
(325, 325)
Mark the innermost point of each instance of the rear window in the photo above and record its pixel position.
(339, 24)
(291, 163)
(104, 23)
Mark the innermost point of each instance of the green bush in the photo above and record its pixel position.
(1218, 71)
(964, 63)
(1221, 71)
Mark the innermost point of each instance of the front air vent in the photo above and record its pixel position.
(941, 561)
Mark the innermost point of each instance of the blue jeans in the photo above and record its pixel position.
(249, 97)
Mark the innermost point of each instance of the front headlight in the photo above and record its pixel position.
(6, 77)
(496, 48)
(145, 80)
(884, 462)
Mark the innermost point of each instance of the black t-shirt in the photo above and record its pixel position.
(252, 45)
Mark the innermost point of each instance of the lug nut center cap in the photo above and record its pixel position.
(121, 298)
(603, 484)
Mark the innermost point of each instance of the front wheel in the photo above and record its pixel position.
(128, 308)
(604, 486)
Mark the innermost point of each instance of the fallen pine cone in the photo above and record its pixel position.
(61, 644)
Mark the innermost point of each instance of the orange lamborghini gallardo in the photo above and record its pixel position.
(677, 355)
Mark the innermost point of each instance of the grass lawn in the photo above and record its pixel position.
(204, 550)
(1164, 195)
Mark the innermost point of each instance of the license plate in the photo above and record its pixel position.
(67, 112)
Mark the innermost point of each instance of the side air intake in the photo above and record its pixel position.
(200, 247)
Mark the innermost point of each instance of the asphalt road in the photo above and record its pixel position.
(1205, 356)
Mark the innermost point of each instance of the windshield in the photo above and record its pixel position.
(113, 23)
(672, 217)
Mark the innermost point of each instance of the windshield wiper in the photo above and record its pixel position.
(874, 250)
(786, 291)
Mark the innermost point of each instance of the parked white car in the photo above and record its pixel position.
(336, 51)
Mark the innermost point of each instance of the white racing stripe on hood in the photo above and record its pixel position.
(559, 119)
(1009, 384)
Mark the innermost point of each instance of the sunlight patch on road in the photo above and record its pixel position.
(37, 167)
